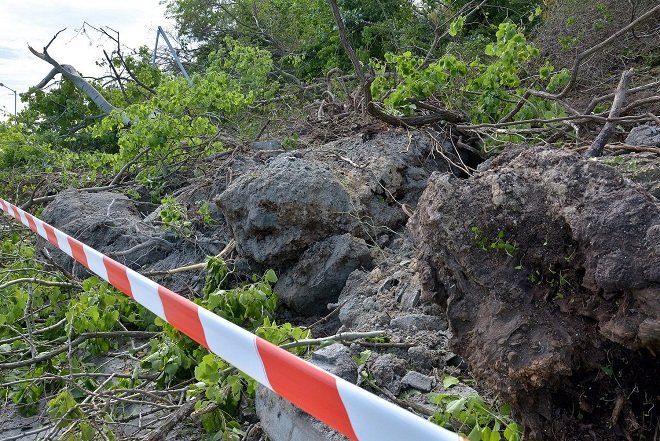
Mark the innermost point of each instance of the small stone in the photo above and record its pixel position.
(410, 299)
(336, 359)
(419, 357)
(419, 322)
(418, 381)
(646, 134)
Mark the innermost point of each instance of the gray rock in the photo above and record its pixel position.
(419, 322)
(336, 359)
(110, 223)
(271, 144)
(410, 298)
(106, 221)
(320, 274)
(422, 358)
(279, 210)
(282, 421)
(388, 370)
(646, 134)
(418, 381)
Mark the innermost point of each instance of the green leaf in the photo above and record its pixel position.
(456, 406)
(449, 381)
(456, 26)
(270, 276)
(475, 433)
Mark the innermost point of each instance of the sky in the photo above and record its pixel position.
(35, 22)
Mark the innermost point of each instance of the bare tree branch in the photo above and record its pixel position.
(597, 146)
(70, 73)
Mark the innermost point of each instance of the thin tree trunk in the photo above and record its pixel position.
(598, 145)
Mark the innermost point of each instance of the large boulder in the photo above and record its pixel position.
(277, 211)
(110, 223)
(319, 276)
(548, 268)
(106, 221)
(364, 187)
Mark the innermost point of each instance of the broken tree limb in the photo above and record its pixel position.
(70, 73)
(597, 146)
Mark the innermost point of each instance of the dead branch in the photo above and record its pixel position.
(596, 148)
(577, 118)
(75, 343)
(39, 282)
(592, 104)
(174, 419)
(69, 72)
(341, 337)
(226, 250)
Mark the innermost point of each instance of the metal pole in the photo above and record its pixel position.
(15, 100)
(176, 57)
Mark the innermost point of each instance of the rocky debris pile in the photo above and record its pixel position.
(311, 213)
(540, 271)
(548, 268)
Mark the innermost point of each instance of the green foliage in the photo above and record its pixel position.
(63, 408)
(496, 243)
(216, 275)
(285, 333)
(473, 417)
(180, 122)
(486, 89)
(247, 305)
(205, 214)
(175, 217)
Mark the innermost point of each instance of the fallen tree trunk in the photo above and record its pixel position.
(70, 73)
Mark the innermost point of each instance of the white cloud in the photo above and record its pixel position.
(35, 22)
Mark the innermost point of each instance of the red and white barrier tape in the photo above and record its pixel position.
(345, 407)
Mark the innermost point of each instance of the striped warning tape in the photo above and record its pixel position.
(345, 407)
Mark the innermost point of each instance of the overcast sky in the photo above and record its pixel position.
(36, 21)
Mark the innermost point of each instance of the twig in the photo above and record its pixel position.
(35, 332)
(594, 101)
(226, 250)
(175, 418)
(24, 435)
(654, 118)
(597, 146)
(578, 118)
(403, 403)
(53, 39)
(341, 337)
(77, 342)
(39, 282)
(375, 344)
